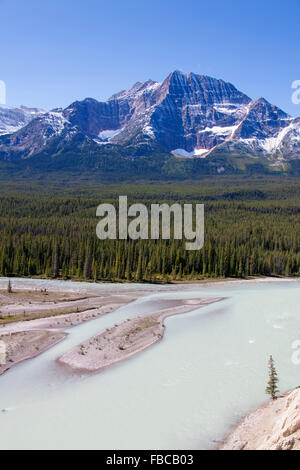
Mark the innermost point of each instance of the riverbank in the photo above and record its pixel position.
(51, 311)
(34, 320)
(23, 345)
(274, 426)
(126, 339)
(158, 281)
(27, 337)
(28, 304)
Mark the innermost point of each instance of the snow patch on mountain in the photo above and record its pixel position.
(148, 130)
(218, 130)
(109, 134)
(184, 153)
(100, 142)
(273, 144)
(233, 110)
(228, 109)
(56, 120)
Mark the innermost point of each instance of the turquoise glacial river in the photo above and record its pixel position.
(185, 392)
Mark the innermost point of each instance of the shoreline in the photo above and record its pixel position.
(63, 307)
(126, 339)
(33, 320)
(24, 339)
(273, 426)
(19, 351)
(123, 282)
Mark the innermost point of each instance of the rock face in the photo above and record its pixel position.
(13, 119)
(187, 114)
(276, 426)
(30, 139)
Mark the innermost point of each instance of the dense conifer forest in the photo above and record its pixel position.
(251, 228)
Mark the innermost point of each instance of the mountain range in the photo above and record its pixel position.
(185, 117)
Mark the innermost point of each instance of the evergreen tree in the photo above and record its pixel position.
(272, 389)
(139, 272)
(128, 266)
(87, 269)
(9, 288)
(55, 267)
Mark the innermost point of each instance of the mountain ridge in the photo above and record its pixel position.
(186, 115)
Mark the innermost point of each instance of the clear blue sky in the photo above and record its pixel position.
(56, 51)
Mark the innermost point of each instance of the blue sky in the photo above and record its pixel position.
(56, 51)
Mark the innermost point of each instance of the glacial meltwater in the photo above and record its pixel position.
(185, 392)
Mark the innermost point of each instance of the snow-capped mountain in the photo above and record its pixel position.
(13, 119)
(264, 130)
(188, 115)
(33, 137)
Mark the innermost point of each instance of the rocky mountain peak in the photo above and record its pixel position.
(189, 115)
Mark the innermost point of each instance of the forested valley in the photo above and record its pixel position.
(251, 229)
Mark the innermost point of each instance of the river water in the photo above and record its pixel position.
(186, 392)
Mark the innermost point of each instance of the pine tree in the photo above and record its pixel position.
(272, 389)
(9, 288)
(55, 269)
(128, 266)
(87, 269)
(139, 272)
